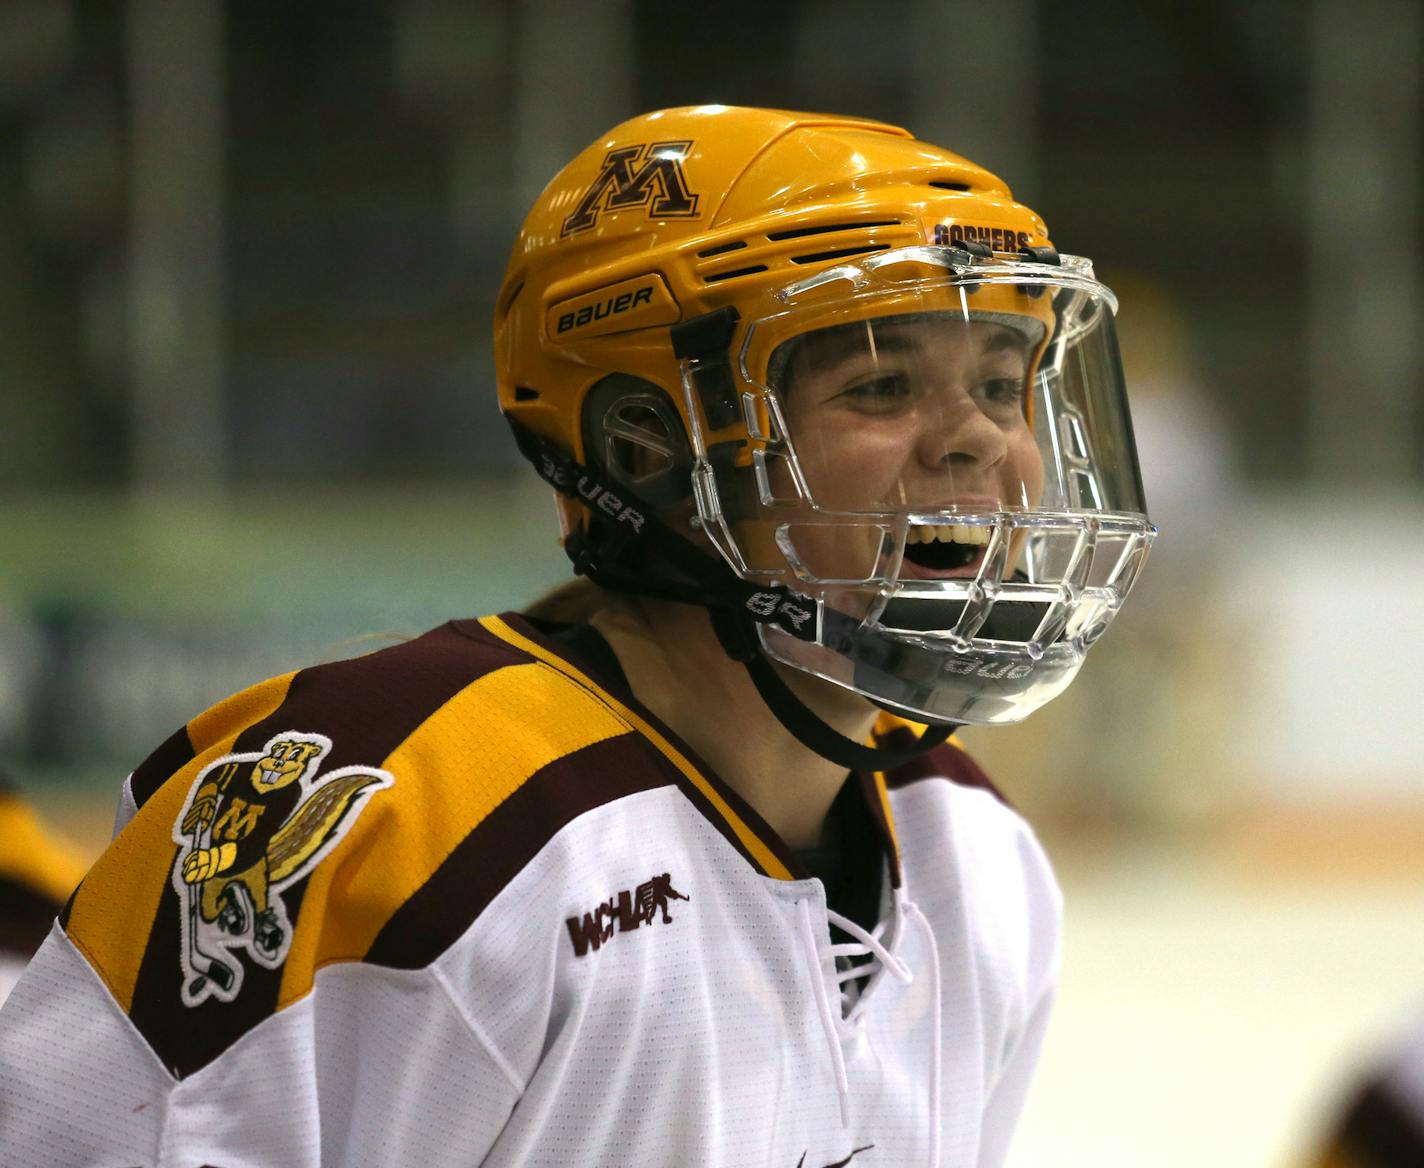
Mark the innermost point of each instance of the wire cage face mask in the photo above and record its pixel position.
(937, 451)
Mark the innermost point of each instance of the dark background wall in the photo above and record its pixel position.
(363, 168)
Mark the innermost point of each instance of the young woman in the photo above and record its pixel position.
(677, 866)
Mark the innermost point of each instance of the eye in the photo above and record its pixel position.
(878, 394)
(1002, 391)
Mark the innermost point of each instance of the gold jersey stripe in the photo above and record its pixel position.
(115, 907)
(882, 792)
(29, 855)
(450, 773)
(885, 722)
(759, 851)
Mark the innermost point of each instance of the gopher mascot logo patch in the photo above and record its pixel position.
(252, 825)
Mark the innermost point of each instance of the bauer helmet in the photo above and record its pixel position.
(835, 384)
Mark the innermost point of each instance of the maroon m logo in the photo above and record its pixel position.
(636, 176)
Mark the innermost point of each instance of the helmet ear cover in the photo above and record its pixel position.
(637, 449)
(636, 443)
(632, 429)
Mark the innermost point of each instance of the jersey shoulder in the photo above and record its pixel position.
(359, 811)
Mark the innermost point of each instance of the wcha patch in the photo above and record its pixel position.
(627, 909)
(252, 825)
(658, 183)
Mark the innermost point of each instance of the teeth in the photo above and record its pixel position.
(949, 533)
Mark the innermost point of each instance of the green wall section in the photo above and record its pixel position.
(121, 618)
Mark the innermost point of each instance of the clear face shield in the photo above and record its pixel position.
(941, 457)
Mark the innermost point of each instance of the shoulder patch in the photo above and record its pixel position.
(252, 825)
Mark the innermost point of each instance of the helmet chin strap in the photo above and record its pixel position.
(739, 639)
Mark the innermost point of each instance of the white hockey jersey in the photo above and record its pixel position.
(458, 903)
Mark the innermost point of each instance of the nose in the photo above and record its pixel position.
(957, 435)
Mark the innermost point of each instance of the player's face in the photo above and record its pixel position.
(915, 414)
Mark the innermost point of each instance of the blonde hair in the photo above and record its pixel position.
(574, 602)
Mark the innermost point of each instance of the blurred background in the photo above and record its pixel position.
(248, 255)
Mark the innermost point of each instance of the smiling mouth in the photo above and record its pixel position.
(947, 550)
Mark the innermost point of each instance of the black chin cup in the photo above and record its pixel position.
(1008, 620)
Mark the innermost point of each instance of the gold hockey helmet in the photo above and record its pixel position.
(850, 364)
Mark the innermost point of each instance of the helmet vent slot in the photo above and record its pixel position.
(799, 232)
(522, 393)
(732, 275)
(947, 185)
(722, 249)
(839, 253)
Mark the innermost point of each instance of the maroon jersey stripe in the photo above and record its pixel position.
(876, 810)
(168, 759)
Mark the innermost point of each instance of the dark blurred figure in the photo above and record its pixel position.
(1382, 1125)
(37, 874)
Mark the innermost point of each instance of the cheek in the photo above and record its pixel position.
(1023, 482)
(1024, 469)
(836, 552)
(855, 466)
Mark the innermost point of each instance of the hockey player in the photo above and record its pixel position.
(677, 867)
(37, 873)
